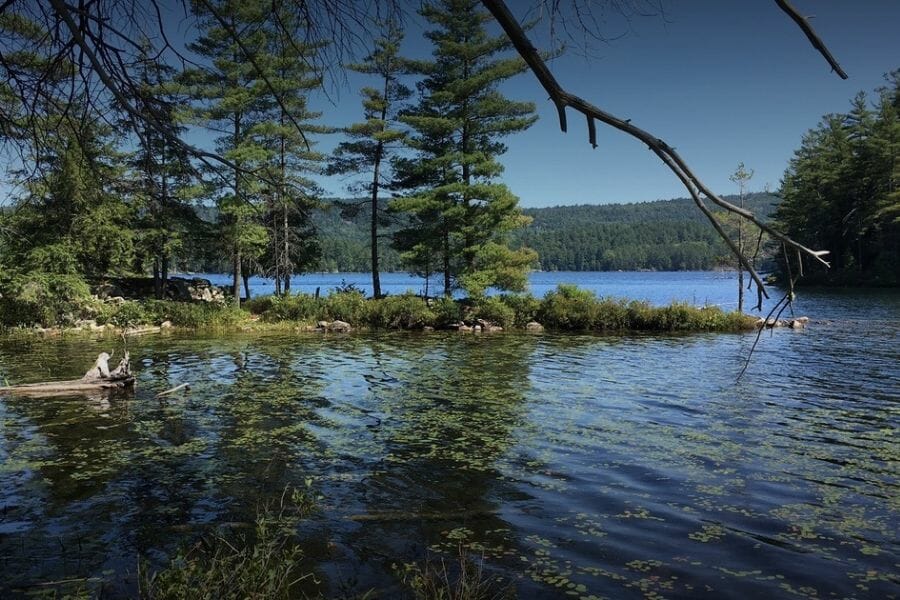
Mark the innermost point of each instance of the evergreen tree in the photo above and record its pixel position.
(286, 135)
(840, 189)
(458, 126)
(165, 219)
(230, 100)
(371, 141)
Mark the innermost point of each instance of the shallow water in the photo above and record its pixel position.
(606, 466)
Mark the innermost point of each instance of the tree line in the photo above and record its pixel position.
(91, 202)
(841, 191)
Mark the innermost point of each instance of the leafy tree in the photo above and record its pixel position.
(458, 127)
(371, 141)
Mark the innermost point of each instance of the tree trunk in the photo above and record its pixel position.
(287, 267)
(246, 277)
(740, 267)
(236, 279)
(157, 287)
(164, 275)
(376, 278)
(447, 291)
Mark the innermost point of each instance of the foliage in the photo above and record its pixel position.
(446, 311)
(525, 307)
(464, 579)
(262, 565)
(44, 298)
(570, 308)
(461, 215)
(132, 313)
(345, 306)
(842, 191)
(296, 307)
(494, 310)
(406, 311)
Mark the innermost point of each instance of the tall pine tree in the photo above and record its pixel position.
(372, 141)
(458, 127)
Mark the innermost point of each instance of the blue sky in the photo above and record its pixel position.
(722, 81)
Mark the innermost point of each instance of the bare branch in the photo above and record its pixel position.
(813, 37)
(666, 153)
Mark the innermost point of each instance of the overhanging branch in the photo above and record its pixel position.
(563, 99)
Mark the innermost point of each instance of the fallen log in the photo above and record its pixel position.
(98, 379)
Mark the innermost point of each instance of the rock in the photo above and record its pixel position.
(108, 290)
(534, 327)
(165, 325)
(484, 324)
(339, 327)
(477, 329)
(493, 328)
(323, 324)
(116, 300)
(86, 324)
(464, 328)
(428, 328)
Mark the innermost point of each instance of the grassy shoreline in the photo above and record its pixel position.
(567, 308)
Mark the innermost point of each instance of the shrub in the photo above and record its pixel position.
(345, 306)
(128, 314)
(194, 314)
(612, 315)
(45, 298)
(406, 311)
(494, 310)
(299, 307)
(524, 306)
(568, 307)
(446, 311)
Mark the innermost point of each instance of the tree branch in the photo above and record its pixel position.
(562, 99)
(811, 34)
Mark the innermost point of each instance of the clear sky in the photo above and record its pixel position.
(722, 81)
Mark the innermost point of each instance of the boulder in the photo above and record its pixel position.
(464, 328)
(323, 325)
(477, 329)
(165, 325)
(339, 327)
(534, 327)
(116, 300)
(108, 290)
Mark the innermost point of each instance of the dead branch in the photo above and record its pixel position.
(811, 35)
(697, 189)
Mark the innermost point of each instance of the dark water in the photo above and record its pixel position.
(593, 466)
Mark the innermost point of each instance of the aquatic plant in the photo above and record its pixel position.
(463, 579)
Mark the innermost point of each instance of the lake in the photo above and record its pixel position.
(581, 466)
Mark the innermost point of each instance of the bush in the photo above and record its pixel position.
(46, 299)
(446, 311)
(524, 306)
(194, 314)
(127, 314)
(299, 307)
(345, 306)
(612, 315)
(568, 307)
(406, 311)
(494, 310)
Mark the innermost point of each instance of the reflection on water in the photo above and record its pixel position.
(591, 465)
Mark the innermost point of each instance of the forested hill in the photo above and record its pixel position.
(661, 235)
(665, 235)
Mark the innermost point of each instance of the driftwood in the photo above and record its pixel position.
(98, 378)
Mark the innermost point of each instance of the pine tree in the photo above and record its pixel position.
(458, 126)
(372, 141)
(230, 100)
(287, 136)
(166, 219)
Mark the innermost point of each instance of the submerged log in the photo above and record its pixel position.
(98, 378)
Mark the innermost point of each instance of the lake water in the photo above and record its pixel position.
(698, 287)
(587, 465)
